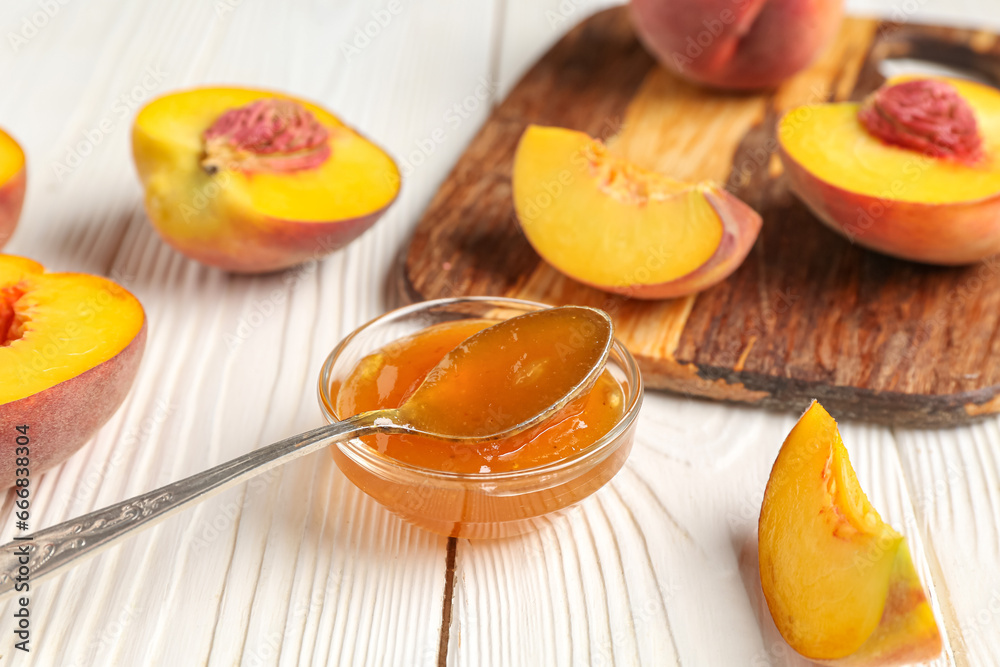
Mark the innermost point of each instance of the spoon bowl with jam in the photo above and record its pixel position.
(505, 381)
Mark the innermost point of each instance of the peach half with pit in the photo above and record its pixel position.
(913, 171)
(743, 45)
(253, 181)
(70, 346)
(839, 582)
(12, 185)
(610, 224)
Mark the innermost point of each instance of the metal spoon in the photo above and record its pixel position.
(580, 337)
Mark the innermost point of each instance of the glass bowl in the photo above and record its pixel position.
(480, 505)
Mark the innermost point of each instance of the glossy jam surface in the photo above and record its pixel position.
(389, 376)
(512, 375)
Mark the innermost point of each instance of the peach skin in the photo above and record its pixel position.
(745, 45)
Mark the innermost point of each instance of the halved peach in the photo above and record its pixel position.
(906, 199)
(70, 346)
(12, 184)
(607, 223)
(839, 582)
(254, 181)
(744, 44)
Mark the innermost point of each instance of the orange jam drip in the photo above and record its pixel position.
(387, 377)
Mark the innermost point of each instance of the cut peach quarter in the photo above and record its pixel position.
(13, 179)
(70, 346)
(913, 172)
(839, 581)
(608, 223)
(254, 181)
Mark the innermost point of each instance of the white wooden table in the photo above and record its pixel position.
(300, 568)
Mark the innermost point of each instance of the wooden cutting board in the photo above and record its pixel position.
(808, 315)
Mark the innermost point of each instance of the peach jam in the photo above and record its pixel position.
(482, 490)
(388, 377)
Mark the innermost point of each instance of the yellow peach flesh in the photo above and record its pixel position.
(71, 323)
(12, 185)
(836, 148)
(11, 157)
(838, 581)
(357, 179)
(604, 222)
(814, 523)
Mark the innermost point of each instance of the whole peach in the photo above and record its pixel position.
(737, 44)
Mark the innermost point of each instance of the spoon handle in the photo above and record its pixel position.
(47, 551)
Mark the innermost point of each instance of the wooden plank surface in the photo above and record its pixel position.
(808, 314)
(301, 568)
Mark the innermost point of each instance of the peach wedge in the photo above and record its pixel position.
(838, 581)
(12, 185)
(253, 181)
(913, 172)
(608, 223)
(70, 346)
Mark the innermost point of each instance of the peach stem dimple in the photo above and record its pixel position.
(11, 321)
(924, 115)
(271, 135)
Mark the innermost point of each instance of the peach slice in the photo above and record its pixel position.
(838, 581)
(254, 181)
(749, 44)
(70, 345)
(12, 185)
(906, 176)
(607, 223)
